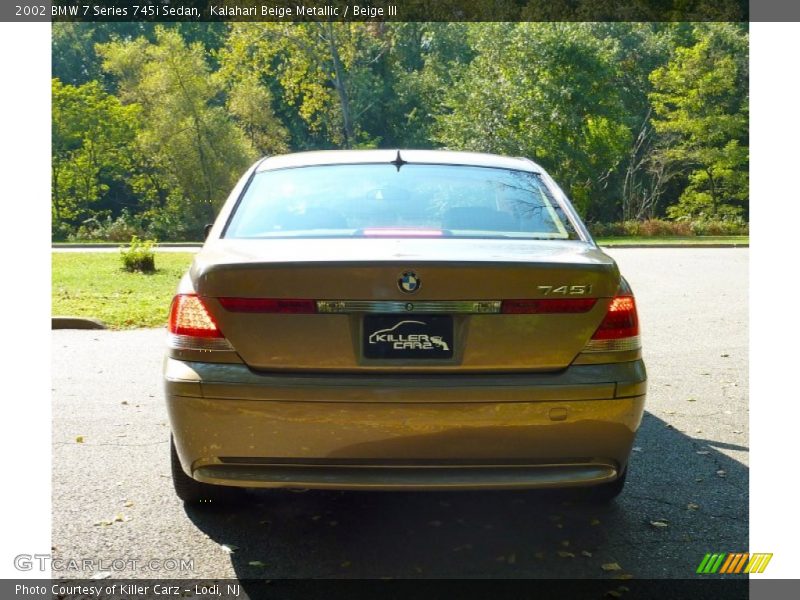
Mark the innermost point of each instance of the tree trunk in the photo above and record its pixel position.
(338, 83)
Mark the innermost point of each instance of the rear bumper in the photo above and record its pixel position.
(236, 427)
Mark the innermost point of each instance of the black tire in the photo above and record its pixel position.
(196, 492)
(607, 492)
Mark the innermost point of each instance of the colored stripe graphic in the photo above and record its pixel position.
(703, 563)
(758, 563)
(740, 563)
(733, 562)
(711, 563)
(729, 562)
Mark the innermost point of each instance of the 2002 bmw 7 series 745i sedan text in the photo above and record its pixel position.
(401, 320)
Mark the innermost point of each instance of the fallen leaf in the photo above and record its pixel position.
(692, 506)
(119, 518)
(594, 522)
(691, 400)
(101, 575)
(256, 563)
(229, 548)
(565, 543)
(128, 503)
(737, 431)
(611, 567)
(637, 448)
(124, 402)
(722, 473)
(702, 452)
(79, 439)
(659, 524)
(586, 553)
(725, 355)
(565, 554)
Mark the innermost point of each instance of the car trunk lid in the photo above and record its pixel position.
(349, 289)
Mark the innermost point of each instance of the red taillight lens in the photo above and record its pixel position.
(547, 306)
(620, 320)
(189, 316)
(269, 305)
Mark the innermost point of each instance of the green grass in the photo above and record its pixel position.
(94, 284)
(691, 240)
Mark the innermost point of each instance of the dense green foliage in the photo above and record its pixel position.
(153, 124)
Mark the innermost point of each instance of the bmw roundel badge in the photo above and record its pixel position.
(409, 282)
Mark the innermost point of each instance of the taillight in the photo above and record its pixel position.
(619, 330)
(269, 305)
(547, 306)
(192, 327)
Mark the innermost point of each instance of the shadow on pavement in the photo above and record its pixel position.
(684, 497)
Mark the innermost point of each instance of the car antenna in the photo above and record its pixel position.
(398, 162)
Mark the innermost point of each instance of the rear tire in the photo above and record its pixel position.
(607, 492)
(196, 492)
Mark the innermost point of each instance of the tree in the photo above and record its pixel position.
(325, 73)
(548, 91)
(91, 139)
(250, 104)
(191, 140)
(73, 44)
(424, 62)
(700, 104)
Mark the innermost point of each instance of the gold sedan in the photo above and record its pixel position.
(396, 320)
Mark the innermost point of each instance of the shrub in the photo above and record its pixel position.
(121, 229)
(682, 227)
(139, 256)
(729, 226)
(61, 232)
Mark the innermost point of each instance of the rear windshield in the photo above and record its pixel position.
(365, 200)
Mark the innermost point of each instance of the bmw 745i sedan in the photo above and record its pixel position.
(401, 320)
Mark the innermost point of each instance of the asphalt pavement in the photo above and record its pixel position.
(687, 491)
